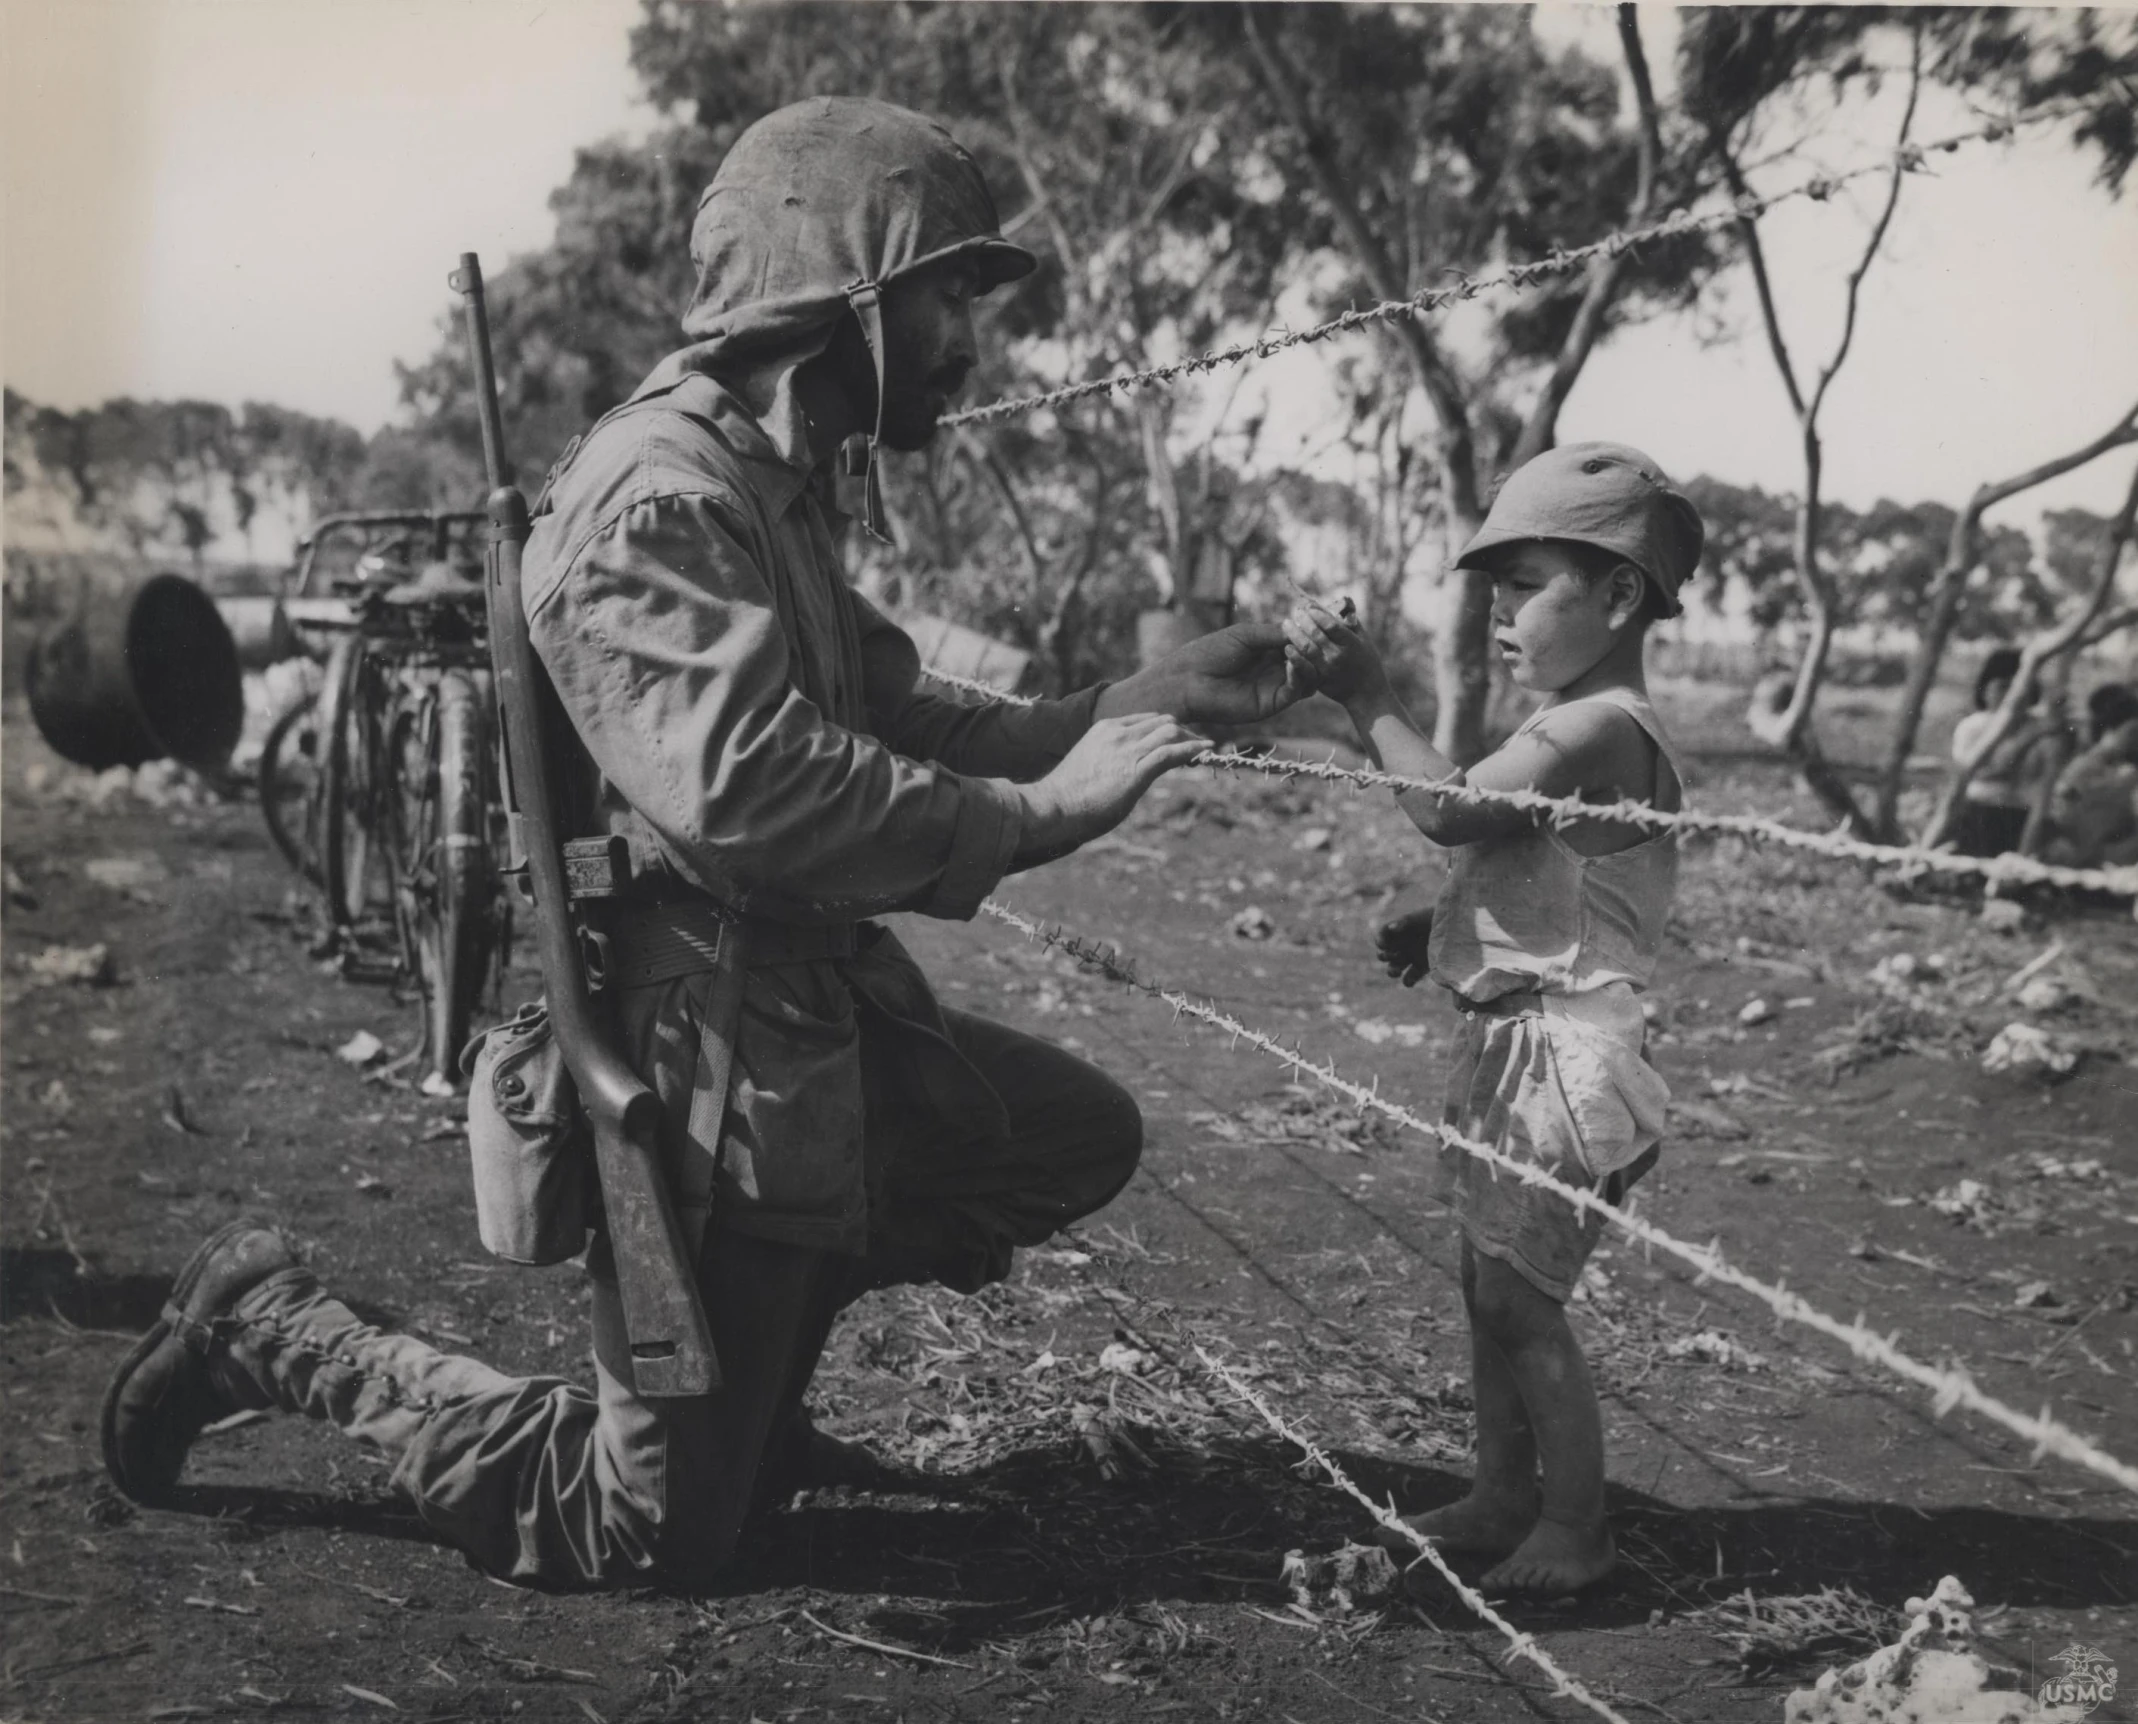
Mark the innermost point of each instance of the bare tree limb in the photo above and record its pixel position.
(1540, 430)
(1790, 727)
(982, 454)
(1878, 231)
(1962, 552)
(1756, 261)
(2108, 628)
(1462, 678)
(1435, 374)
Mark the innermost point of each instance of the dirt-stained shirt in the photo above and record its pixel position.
(756, 728)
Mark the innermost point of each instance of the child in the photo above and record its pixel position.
(1544, 937)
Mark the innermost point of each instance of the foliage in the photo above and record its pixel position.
(178, 476)
(1747, 77)
(1884, 560)
(1740, 64)
(1465, 141)
(1131, 147)
(2029, 60)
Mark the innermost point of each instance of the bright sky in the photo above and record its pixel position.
(260, 199)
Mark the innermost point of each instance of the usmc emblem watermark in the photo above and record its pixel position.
(2089, 1680)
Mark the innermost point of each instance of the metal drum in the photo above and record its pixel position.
(260, 629)
(139, 674)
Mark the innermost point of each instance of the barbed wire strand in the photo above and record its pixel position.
(1116, 1291)
(1521, 276)
(2009, 869)
(1950, 1386)
(1519, 1643)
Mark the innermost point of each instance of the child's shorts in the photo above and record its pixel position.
(1558, 1080)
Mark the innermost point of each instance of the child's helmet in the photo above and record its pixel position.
(1602, 494)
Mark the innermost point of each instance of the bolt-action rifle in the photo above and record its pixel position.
(671, 1347)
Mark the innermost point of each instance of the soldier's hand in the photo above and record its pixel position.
(1099, 781)
(1239, 675)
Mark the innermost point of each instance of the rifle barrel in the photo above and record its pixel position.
(467, 281)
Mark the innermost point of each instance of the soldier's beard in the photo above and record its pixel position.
(914, 412)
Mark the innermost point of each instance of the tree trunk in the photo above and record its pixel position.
(1790, 729)
(1462, 605)
(1946, 592)
(1461, 641)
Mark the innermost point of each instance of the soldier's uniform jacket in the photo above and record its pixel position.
(760, 736)
(754, 726)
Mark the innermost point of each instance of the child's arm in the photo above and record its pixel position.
(1587, 750)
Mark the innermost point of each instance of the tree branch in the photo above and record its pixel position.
(1540, 430)
(2107, 628)
(1756, 261)
(1901, 158)
(1962, 552)
(1434, 372)
(983, 453)
(2059, 638)
(1042, 200)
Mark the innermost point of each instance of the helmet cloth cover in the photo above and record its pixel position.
(1602, 494)
(814, 209)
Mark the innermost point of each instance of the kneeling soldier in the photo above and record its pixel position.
(755, 733)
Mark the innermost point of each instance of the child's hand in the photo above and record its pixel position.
(1330, 654)
(1401, 945)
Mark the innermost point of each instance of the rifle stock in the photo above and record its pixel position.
(671, 1346)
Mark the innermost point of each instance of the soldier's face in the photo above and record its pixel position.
(929, 347)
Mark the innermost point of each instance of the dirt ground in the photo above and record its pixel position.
(1104, 1530)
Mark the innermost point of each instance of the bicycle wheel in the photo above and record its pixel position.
(356, 871)
(448, 884)
(290, 778)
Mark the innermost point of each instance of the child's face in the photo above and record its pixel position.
(1550, 623)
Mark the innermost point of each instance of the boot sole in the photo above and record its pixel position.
(158, 1333)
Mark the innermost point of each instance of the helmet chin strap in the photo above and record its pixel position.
(866, 297)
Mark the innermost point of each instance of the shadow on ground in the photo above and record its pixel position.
(39, 1281)
(1036, 1536)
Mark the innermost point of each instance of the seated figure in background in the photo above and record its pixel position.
(2002, 790)
(2093, 811)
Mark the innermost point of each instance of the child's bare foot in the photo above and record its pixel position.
(1554, 1560)
(1476, 1525)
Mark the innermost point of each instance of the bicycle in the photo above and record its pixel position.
(381, 791)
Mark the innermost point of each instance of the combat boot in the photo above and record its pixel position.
(800, 1457)
(166, 1390)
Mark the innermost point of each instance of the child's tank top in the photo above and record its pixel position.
(1528, 913)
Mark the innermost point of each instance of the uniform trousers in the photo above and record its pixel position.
(538, 1479)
